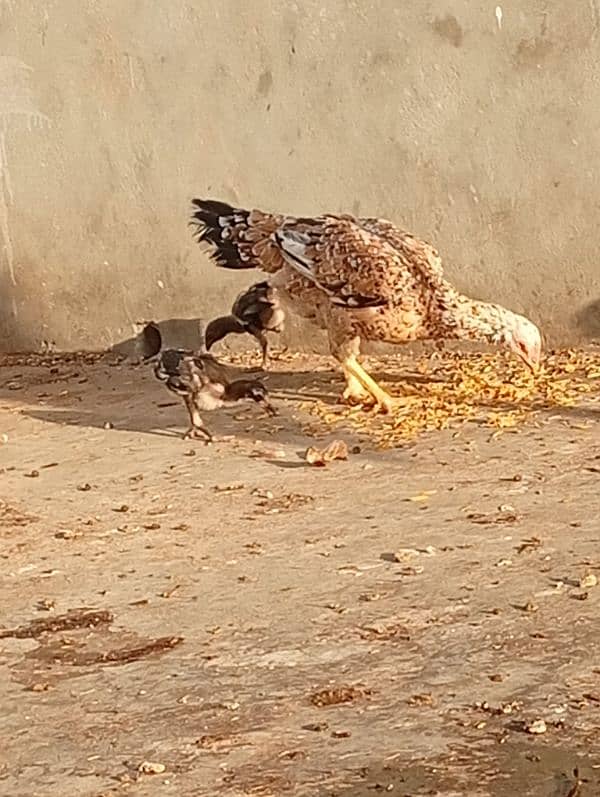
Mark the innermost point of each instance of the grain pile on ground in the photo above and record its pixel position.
(487, 388)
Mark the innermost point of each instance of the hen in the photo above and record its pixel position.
(359, 278)
(255, 311)
(205, 384)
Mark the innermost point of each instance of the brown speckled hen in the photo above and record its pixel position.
(359, 278)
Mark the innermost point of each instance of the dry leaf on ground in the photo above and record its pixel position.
(319, 457)
(151, 768)
(336, 695)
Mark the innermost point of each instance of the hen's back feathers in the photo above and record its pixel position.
(357, 262)
(406, 244)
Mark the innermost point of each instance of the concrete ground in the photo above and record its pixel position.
(183, 620)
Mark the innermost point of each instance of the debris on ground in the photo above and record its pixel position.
(320, 457)
(79, 618)
(335, 695)
(536, 727)
(151, 768)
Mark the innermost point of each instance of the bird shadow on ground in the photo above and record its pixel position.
(172, 421)
(579, 412)
(507, 772)
(150, 409)
(128, 398)
(327, 385)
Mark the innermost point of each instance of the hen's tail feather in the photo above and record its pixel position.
(220, 225)
(238, 238)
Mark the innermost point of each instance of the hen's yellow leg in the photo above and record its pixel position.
(354, 392)
(356, 373)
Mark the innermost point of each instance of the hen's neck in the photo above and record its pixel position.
(463, 318)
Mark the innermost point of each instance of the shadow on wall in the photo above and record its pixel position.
(188, 333)
(9, 330)
(588, 320)
(177, 333)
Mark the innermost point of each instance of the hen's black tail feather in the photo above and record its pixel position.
(211, 220)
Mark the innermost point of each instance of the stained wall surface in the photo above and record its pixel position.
(475, 125)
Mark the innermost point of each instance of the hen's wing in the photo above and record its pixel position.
(354, 266)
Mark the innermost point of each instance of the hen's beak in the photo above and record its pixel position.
(529, 363)
(530, 358)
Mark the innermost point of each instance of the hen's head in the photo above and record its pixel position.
(470, 319)
(524, 339)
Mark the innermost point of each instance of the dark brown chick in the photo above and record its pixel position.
(255, 311)
(205, 384)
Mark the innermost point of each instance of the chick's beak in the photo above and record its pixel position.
(269, 408)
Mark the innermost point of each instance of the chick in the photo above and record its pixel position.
(205, 384)
(256, 311)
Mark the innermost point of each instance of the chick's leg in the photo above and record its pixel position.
(261, 337)
(197, 430)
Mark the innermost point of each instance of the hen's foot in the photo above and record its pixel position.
(363, 389)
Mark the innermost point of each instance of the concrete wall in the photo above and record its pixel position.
(477, 127)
